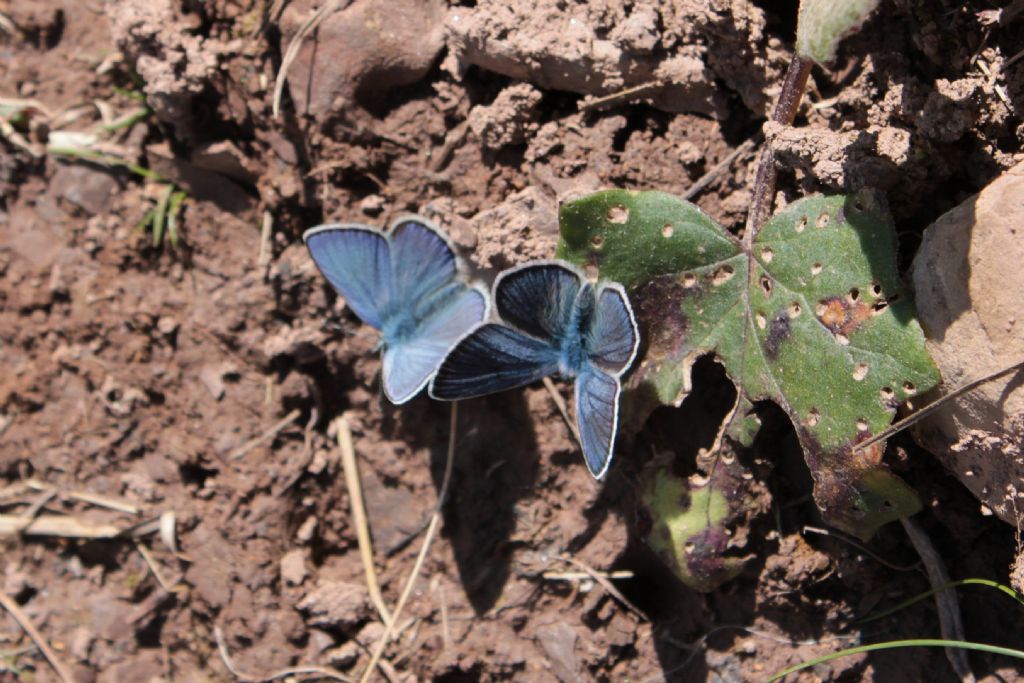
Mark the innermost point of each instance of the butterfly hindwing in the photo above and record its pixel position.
(492, 358)
(538, 298)
(612, 337)
(356, 261)
(408, 365)
(597, 416)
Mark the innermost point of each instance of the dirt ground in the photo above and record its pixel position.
(197, 386)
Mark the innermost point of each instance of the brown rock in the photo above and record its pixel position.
(336, 603)
(968, 279)
(364, 50)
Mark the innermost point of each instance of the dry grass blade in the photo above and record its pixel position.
(935, 405)
(324, 671)
(293, 48)
(355, 495)
(55, 525)
(269, 434)
(861, 547)
(602, 579)
(86, 497)
(559, 402)
(950, 624)
(722, 166)
(19, 616)
(385, 637)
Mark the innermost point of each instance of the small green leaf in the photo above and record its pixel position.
(812, 317)
(821, 24)
(685, 522)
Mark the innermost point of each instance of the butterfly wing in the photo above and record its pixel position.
(492, 358)
(612, 336)
(538, 298)
(597, 417)
(408, 365)
(421, 261)
(355, 260)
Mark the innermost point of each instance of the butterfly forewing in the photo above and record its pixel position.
(492, 358)
(538, 298)
(356, 262)
(612, 335)
(421, 262)
(409, 364)
(597, 416)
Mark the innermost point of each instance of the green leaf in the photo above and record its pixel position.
(821, 24)
(686, 522)
(813, 317)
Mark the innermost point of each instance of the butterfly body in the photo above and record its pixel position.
(553, 321)
(406, 284)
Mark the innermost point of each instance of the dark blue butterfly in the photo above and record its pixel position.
(407, 284)
(554, 320)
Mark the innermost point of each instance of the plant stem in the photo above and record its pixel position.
(785, 111)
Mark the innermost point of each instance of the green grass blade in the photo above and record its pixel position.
(173, 211)
(106, 160)
(894, 644)
(160, 215)
(952, 584)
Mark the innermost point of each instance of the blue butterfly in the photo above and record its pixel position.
(554, 321)
(407, 284)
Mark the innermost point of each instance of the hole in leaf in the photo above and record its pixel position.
(767, 254)
(723, 275)
(909, 388)
(795, 310)
(766, 285)
(667, 230)
(879, 307)
(761, 321)
(813, 417)
(689, 547)
(618, 214)
(862, 424)
(887, 504)
(842, 339)
(728, 458)
(801, 224)
(887, 393)
(597, 241)
(815, 268)
(876, 290)
(860, 371)
(689, 280)
(823, 220)
(854, 294)
(858, 205)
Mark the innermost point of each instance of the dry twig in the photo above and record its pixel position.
(324, 671)
(428, 539)
(19, 616)
(355, 496)
(266, 436)
(950, 624)
(602, 579)
(293, 48)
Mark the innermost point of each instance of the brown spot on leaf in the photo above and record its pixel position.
(843, 315)
(659, 314)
